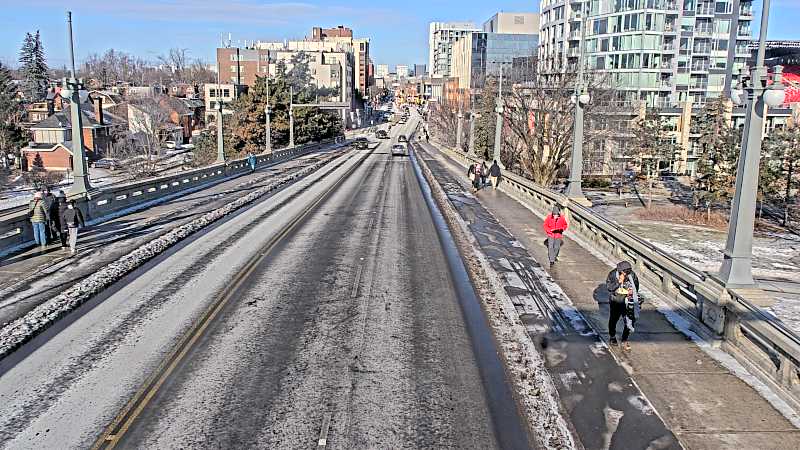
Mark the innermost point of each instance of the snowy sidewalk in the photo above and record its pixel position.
(610, 396)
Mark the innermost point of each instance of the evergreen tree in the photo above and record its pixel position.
(38, 163)
(11, 135)
(33, 68)
(719, 149)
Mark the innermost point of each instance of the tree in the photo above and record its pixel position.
(539, 121)
(33, 68)
(654, 145)
(719, 145)
(177, 60)
(150, 127)
(248, 131)
(779, 167)
(12, 138)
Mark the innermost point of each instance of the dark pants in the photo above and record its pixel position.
(617, 311)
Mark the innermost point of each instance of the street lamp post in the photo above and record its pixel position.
(291, 117)
(581, 98)
(74, 89)
(737, 269)
(267, 112)
(459, 130)
(498, 131)
(220, 126)
(472, 117)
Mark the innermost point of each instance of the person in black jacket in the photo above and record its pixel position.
(73, 218)
(474, 174)
(59, 206)
(623, 292)
(494, 174)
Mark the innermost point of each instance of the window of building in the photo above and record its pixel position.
(724, 7)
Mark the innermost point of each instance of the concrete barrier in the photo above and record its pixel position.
(733, 317)
(16, 232)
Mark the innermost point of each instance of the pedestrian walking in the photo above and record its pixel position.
(494, 174)
(73, 218)
(49, 200)
(484, 173)
(251, 159)
(37, 212)
(624, 301)
(474, 174)
(60, 207)
(555, 224)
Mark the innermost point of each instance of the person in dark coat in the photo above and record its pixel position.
(74, 219)
(555, 224)
(49, 201)
(494, 174)
(59, 208)
(484, 173)
(474, 174)
(624, 301)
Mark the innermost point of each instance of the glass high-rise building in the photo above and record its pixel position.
(663, 52)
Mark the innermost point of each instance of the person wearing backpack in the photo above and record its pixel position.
(73, 218)
(38, 213)
(555, 224)
(494, 174)
(624, 301)
(474, 174)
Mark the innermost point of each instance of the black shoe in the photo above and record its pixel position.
(613, 341)
(552, 263)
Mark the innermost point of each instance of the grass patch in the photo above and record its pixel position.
(684, 215)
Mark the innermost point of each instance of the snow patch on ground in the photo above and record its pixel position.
(23, 329)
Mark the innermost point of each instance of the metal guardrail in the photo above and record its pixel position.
(15, 227)
(758, 340)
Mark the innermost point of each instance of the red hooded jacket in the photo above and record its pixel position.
(554, 227)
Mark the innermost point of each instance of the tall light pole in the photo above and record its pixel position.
(472, 117)
(459, 129)
(74, 89)
(498, 130)
(220, 127)
(267, 112)
(291, 117)
(581, 98)
(737, 268)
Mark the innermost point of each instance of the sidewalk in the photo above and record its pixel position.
(666, 388)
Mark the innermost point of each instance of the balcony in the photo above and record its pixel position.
(700, 67)
(746, 10)
(574, 52)
(669, 27)
(575, 35)
(702, 50)
(705, 11)
(703, 31)
(698, 86)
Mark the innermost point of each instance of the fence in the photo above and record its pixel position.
(754, 337)
(15, 228)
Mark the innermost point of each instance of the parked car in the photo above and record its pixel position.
(107, 163)
(402, 138)
(400, 149)
(382, 134)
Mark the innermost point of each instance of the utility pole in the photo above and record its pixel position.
(220, 125)
(472, 116)
(498, 131)
(581, 99)
(76, 92)
(737, 265)
(291, 117)
(267, 112)
(459, 129)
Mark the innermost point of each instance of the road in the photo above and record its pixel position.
(349, 320)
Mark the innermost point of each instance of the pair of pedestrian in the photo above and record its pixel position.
(624, 302)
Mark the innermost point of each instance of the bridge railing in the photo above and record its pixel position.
(15, 227)
(754, 337)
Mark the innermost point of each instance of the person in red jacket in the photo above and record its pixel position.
(554, 225)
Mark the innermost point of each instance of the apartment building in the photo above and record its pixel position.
(401, 70)
(441, 37)
(662, 52)
(381, 71)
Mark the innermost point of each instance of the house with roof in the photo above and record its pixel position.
(52, 137)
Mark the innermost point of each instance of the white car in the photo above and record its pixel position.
(400, 149)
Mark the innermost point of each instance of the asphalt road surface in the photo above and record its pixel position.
(347, 328)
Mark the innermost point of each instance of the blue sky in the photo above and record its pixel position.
(147, 28)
